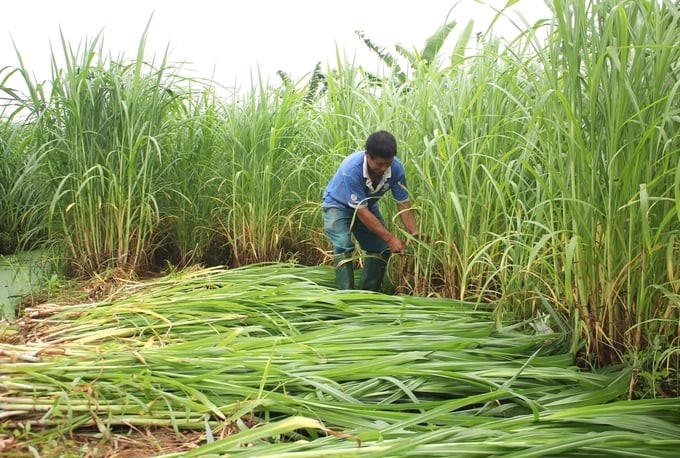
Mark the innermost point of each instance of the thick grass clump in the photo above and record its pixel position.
(22, 203)
(289, 364)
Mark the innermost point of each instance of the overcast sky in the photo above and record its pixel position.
(226, 40)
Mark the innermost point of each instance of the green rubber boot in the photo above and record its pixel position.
(373, 272)
(344, 270)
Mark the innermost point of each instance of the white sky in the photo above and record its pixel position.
(225, 40)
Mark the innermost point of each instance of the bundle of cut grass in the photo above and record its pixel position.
(301, 369)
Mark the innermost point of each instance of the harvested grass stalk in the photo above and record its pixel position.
(403, 375)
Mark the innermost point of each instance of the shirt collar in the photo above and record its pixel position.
(369, 183)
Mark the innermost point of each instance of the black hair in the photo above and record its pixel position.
(381, 144)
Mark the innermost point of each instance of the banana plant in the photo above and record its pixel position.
(426, 57)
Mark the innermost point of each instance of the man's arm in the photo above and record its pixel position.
(374, 225)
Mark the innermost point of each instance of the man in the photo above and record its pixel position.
(350, 205)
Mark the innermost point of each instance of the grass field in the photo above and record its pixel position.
(544, 171)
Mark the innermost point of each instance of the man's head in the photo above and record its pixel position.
(381, 147)
(381, 144)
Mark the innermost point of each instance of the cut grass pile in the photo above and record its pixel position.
(296, 368)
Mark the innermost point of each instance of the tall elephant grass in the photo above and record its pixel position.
(547, 174)
(100, 127)
(616, 91)
(263, 175)
(127, 151)
(22, 198)
(195, 151)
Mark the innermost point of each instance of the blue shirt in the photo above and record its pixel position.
(351, 186)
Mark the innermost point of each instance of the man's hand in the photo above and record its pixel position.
(396, 245)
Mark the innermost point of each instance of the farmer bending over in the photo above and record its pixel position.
(350, 204)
